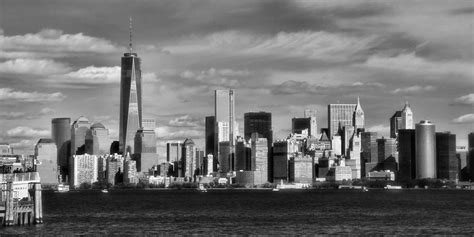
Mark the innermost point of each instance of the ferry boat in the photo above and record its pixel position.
(105, 191)
(392, 187)
(275, 189)
(63, 188)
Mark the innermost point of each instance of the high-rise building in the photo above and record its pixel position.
(200, 167)
(395, 123)
(210, 134)
(261, 123)
(97, 140)
(224, 108)
(79, 130)
(145, 150)
(130, 100)
(407, 117)
(313, 128)
(386, 147)
(85, 169)
(369, 147)
(46, 157)
(301, 169)
(115, 165)
(359, 117)
(298, 125)
(6, 149)
(425, 139)
(339, 115)
(130, 175)
(406, 154)
(243, 154)
(470, 159)
(259, 161)
(347, 133)
(446, 160)
(61, 135)
(173, 155)
(189, 158)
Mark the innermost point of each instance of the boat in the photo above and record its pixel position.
(276, 190)
(365, 189)
(392, 187)
(62, 188)
(105, 191)
(201, 188)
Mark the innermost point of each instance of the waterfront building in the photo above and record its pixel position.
(259, 155)
(406, 154)
(224, 112)
(407, 118)
(145, 150)
(395, 123)
(462, 157)
(85, 169)
(283, 150)
(381, 175)
(188, 158)
(115, 167)
(210, 139)
(301, 169)
(130, 118)
(446, 160)
(46, 161)
(339, 173)
(250, 178)
(225, 159)
(261, 123)
(61, 135)
(243, 155)
(97, 140)
(340, 115)
(470, 163)
(102, 168)
(425, 150)
(130, 175)
(359, 117)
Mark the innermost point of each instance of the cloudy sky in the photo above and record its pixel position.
(62, 58)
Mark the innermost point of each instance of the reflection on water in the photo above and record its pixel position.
(255, 212)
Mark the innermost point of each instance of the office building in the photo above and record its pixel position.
(173, 151)
(347, 132)
(148, 124)
(301, 169)
(6, 149)
(210, 135)
(340, 115)
(243, 155)
(395, 123)
(261, 123)
(446, 160)
(130, 119)
(425, 139)
(115, 167)
(85, 169)
(79, 130)
(61, 135)
(224, 119)
(336, 145)
(470, 159)
(407, 120)
(145, 150)
(386, 148)
(130, 175)
(189, 158)
(359, 117)
(199, 155)
(97, 140)
(339, 173)
(369, 152)
(259, 160)
(225, 161)
(313, 127)
(406, 154)
(46, 157)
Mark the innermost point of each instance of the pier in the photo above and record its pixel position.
(20, 199)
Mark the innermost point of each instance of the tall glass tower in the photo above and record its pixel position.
(130, 99)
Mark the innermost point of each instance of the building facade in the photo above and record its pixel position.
(85, 169)
(46, 157)
(446, 160)
(339, 115)
(406, 155)
(425, 139)
(61, 135)
(97, 140)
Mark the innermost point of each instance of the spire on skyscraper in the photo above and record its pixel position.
(130, 31)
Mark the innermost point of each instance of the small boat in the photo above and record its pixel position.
(201, 188)
(392, 187)
(105, 191)
(365, 189)
(62, 188)
(276, 190)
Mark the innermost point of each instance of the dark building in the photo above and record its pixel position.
(210, 138)
(395, 122)
(243, 155)
(406, 154)
(387, 148)
(425, 138)
(261, 123)
(300, 124)
(470, 147)
(130, 100)
(61, 134)
(145, 150)
(446, 160)
(369, 151)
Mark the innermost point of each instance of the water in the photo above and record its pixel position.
(146, 212)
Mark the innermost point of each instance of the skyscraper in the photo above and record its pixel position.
(407, 117)
(97, 140)
(359, 117)
(470, 147)
(61, 135)
(406, 154)
(210, 140)
(369, 147)
(446, 160)
(189, 158)
(261, 123)
(224, 121)
(395, 123)
(145, 150)
(313, 128)
(79, 130)
(130, 100)
(339, 115)
(46, 155)
(425, 150)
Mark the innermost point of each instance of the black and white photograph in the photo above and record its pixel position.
(236, 117)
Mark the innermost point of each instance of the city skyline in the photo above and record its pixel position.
(55, 69)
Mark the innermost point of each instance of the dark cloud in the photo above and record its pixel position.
(303, 87)
(463, 11)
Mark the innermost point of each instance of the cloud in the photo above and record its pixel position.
(380, 129)
(464, 100)
(413, 90)
(92, 75)
(215, 77)
(467, 118)
(28, 116)
(12, 115)
(174, 133)
(46, 111)
(53, 43)
(306, 44)
(41, 67)
(302, 87)
(186, 121)
(27, 132)
(411, 63)
(24, 144)
(9, 95)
